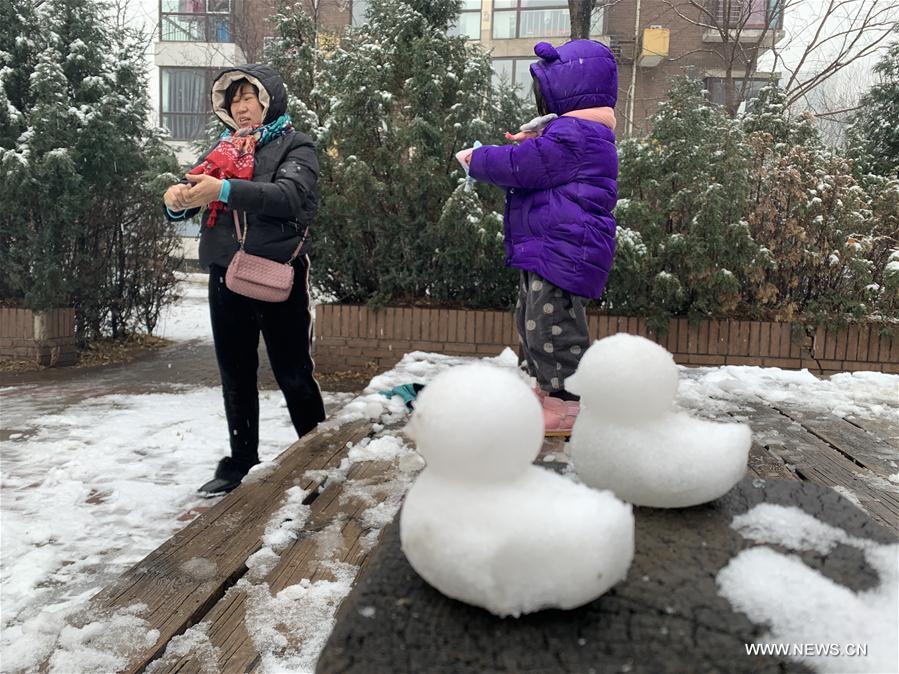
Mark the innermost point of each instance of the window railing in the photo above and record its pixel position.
(749, 14)
(195, 21)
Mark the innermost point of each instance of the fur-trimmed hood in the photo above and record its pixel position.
(272, 92)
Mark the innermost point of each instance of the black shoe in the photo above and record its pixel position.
(228, 476)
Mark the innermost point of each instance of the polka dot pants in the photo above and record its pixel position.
(552, 329)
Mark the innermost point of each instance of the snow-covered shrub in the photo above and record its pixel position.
(750, 218)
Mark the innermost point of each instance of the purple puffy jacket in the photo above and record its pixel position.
(561, 187)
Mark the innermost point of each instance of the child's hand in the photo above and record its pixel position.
(521, 135)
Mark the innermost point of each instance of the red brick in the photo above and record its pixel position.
(452, 319)
(671, 340)
(702, 338)
(712, 346)
(360, 361)
(328, 341)
(810, 364)
(744, 360)
(693, 337)
(442, 324)
(783, 363)
(510, 334)
(828, 344)
(861, 353)
(642, 328)
(754, 339)
(852, 335)
(858, 365)
(593, 326)
(795, 345)
(705, 359)
(360, 342)
(885, 355)
(426, 345)
(470, 327)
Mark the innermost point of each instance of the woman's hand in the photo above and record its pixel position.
(175, 197)
(204, 189)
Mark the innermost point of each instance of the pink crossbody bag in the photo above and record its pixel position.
(258, 277)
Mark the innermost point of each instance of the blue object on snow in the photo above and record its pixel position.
(408, 392)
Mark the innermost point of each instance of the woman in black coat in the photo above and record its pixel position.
(267, 174)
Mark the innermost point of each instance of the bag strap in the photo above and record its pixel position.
(242, 237)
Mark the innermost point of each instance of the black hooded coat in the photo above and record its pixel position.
(280, 201)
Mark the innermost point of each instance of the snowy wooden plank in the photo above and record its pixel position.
(184, 577)
(334, 533)
(854, 443)
(813, 459)
(881, 429)
(666, 616)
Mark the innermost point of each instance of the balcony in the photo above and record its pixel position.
(196, 21)
(750, 21)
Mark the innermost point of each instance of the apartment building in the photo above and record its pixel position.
(652, 39)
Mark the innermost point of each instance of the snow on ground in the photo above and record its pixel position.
(188, 318)
(833, 629)
(97, 483)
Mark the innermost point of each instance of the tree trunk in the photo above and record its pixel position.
(581, 15)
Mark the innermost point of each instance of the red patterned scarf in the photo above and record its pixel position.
(235, 156)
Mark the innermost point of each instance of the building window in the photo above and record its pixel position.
(195, 21)
(184, 106)
(469, 22)
(751, 14)
(358, 12)
(514, 71)
(715, 86)
(530, 18)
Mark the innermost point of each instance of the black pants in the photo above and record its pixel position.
(287, 330)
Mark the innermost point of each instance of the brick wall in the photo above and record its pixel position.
(350, 337)
(47, 337)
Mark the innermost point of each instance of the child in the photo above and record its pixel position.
(559, 231)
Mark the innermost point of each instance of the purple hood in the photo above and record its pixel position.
(579, 74)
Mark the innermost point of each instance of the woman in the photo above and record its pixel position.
(267, 174)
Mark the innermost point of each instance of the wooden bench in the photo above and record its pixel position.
(667, 613)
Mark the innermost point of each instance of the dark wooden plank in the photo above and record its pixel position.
(881, 429)
(666, 616)
(339, 505)
(766, 466)
(854, 443)
(224, 536)
(813, 459)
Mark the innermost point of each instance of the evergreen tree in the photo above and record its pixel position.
(873, 138)
(395, 101)
(78, 161)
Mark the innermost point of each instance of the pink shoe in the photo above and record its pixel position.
(559, 416)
